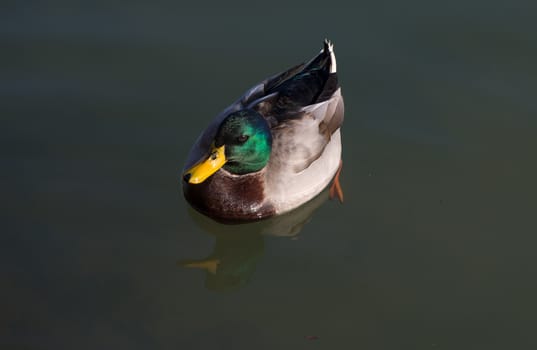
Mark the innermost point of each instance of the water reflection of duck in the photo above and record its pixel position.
(272, 150)
(238, 247)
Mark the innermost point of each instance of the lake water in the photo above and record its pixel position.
(434, 247)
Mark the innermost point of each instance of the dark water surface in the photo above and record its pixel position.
(433, 249)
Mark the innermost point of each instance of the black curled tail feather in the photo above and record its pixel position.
(327, 44)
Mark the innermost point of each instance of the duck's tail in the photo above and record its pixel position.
(325, 59)
(329, 48)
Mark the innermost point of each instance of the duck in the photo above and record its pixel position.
(272, 150)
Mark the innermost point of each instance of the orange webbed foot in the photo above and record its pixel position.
(335, 188)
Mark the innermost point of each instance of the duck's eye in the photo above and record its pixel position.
(242, 138)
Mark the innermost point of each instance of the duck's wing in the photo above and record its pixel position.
(304, 111)
(301, 86)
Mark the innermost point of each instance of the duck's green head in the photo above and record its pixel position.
(242, 145)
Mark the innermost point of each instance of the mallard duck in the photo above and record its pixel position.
(274, 149)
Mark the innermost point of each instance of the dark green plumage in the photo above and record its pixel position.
(248, 141)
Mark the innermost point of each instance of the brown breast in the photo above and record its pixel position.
(228, 198)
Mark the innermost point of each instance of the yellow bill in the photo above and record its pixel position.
(201, 171)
